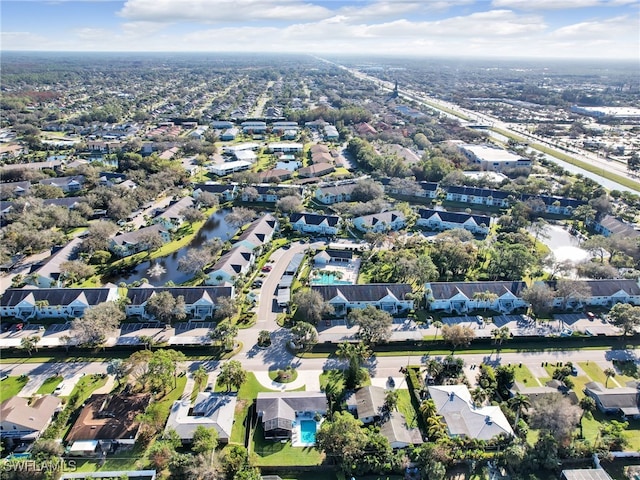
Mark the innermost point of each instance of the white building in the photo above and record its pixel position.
(493, 159)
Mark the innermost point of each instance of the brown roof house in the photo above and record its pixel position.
(22, 421)
(106, 423)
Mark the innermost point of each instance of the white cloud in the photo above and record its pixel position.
(597, 30)
(208, 11)
(558, 4)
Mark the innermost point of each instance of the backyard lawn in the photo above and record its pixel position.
(247, 393)
(269, 453)
(10, 387)
(49, 385)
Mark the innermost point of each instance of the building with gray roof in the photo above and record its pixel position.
(278, 410)
(211, 410)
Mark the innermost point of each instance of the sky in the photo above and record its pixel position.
(580, 29)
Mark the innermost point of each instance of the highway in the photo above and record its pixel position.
(455, 111)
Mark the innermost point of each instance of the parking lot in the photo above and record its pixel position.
(525, 326)
(580, 322)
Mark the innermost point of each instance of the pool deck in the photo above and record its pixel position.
(296, 437)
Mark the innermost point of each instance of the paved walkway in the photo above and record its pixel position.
(107, 387)
(188, 387)
(310, 379)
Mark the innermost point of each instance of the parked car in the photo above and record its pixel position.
(590, 315)
(267, 268)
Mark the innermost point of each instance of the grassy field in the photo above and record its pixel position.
(11, 386)
(597, 375)
(525, 377)
(49, 385)
(270, 453)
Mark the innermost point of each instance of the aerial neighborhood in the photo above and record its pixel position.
(317, 271)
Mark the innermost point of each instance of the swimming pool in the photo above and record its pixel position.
(328, 279)
(308, 432)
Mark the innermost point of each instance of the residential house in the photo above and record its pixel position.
(316, 170)
(233, 149)
(623, 401)
(285, 147)
(480, 196)
(25, 421)
(440, 220)
(236, 262)
(331, 133)
(227, 168)
(128, 243)
(211, 410)
(221, 124)
(277, 411)
(49, 272)
(365, 129)
(318, 148)
(66, 184)
(413, 189)
(252, 127)
(381, 222)
(321, 157)
(463, 297)
(260, 232)
(330, 194)
(270, 193)
(172, 217)
(281, 127)
(28, 303)
(109, 179)
(609, 225)
(229, 134)
(199, 302)
(106, 423)
(275, 175)
(602, 293)
(331, 256)
(224, 191)
(14, 189)
(463, 418)
(67, 202)
(393, 425)
(390, 297)
(245, 156)
(315, 223)
(585, 474)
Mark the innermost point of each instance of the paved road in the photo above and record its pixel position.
(380, 367)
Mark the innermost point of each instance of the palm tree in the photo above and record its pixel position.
(610, 373)
(587, 404)
(200, 376)
(436, 428)
(479, 395)
(438, 325)
(264, 338)
(391, 400)
(427, 408)
(519, 403)
(333, 392)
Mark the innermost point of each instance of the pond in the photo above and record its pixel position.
(161, 270)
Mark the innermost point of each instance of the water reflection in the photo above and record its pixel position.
(161, 270)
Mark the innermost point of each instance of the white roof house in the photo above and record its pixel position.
(211, 410)
(463, 418)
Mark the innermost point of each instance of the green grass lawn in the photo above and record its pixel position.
(596, 373)
(11, 386)
(246, 395)
(591, 429)
(49, 385)
(287, 378)
(269, 454)
(406, 408)
(524, 376)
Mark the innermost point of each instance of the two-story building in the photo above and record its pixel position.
(28, 303)
(129, 243)
(390, 297)
(315, 223)
(226, 192)
(172, 217)
(233, 264)
(440, 220)
(464, 297)
(330, 194)
(381, 222)
(199, 302)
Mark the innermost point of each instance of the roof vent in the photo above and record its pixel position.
(451, 397)
(487, 420)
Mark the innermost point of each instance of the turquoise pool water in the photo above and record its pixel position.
(329, 279)
(308, 431)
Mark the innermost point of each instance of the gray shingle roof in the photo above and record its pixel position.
(446, 290)
(277, 409)
(314, 219)
(55, 296)
(138, 296)
(372, 292)
(454, 217)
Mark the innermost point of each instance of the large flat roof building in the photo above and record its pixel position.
(493, 159)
